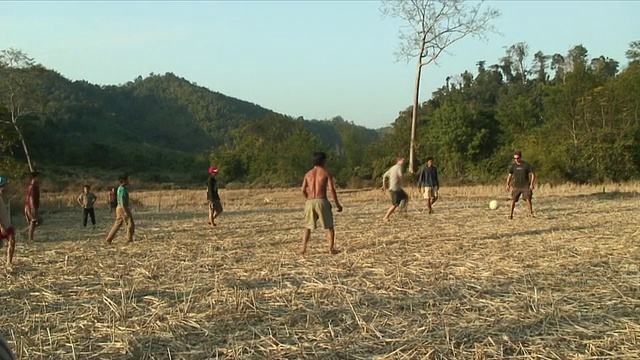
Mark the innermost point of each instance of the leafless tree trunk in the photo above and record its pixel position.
(432, 26)
(15, 90)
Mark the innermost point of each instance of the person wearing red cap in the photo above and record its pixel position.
(215, 206)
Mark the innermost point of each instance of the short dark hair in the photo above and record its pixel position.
(319, 158)
(33, 174)
(517, 152)
(430, 158)
(124, 177)
(87, 186)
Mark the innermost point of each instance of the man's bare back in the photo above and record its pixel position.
(314, 185)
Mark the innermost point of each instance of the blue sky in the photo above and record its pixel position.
(316, 59)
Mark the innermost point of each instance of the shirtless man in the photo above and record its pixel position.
(317, 207)
(31, 206)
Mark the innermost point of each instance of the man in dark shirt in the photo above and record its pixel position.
(523, 182)
(429, 183)
(215, 206)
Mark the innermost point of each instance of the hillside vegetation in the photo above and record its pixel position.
(575, 117)
(160, 126)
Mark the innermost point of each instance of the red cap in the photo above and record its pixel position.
(213, 169)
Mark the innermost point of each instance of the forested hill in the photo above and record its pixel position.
(575, 116)
(157, 125)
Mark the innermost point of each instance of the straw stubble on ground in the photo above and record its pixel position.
(463, 283)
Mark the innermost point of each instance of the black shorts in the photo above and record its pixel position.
(526, 194)
(215, 205)
(397, 196)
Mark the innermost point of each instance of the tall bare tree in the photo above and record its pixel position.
(518, 53)
(15, 78)
(430, 27)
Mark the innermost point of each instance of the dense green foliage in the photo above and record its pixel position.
(579, 124)
(574, 118)
(165, 128)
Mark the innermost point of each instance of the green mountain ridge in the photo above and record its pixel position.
(157, 122)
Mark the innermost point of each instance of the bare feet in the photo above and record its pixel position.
(385, 219)
(301, 251)
(334, 251)
(510, 217)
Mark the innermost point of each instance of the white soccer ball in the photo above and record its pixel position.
(493, 204)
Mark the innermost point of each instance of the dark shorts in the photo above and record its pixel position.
(10, 231)
(397, 196)
(215, 205)
(526, 194)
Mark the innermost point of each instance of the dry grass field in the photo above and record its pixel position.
(463, 283)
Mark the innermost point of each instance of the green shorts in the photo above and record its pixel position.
(318, 210)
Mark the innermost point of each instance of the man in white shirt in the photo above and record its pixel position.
(398, 195)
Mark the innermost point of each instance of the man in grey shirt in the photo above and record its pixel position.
(398, 195)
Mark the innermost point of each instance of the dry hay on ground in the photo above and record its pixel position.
(463, 283)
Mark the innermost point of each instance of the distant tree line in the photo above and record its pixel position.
(574, 116)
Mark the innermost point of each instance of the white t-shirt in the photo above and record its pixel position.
(395, 177)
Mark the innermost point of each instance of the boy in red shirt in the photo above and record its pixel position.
(31, 206)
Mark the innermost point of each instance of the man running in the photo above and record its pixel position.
(215, 206)
(31, 206)
(86, 200)
(123, 212)
(398, 195)
(317, 207)
(7, 230)
(428, 182)
(523, 182)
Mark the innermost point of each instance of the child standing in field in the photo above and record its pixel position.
(123, 212)
(86, 200)
(31, 206)
(113, 202)
(429, 183)
(7, 230)
(215, 206)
